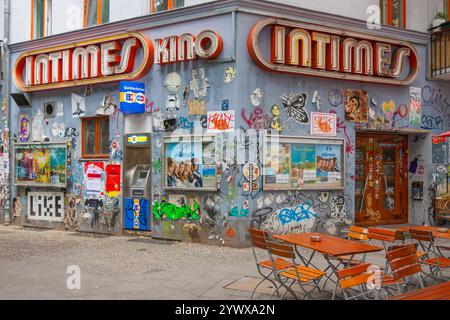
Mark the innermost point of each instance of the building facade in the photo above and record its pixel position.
(256, 113)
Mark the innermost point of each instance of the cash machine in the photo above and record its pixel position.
(137, 182)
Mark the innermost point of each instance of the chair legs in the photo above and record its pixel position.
(265, 278)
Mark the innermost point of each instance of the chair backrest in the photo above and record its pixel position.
(280, 249)
(354, 276)
(258, 238)
(404, 262)
(421, 235)
(357, 233)
(385, 235)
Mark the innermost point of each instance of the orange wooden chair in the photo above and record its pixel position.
(354, 234)
(304, 276)
(265, 266)
(355, 281)
(433, 257)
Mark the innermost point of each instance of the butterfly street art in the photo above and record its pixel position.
(323, 124)
(294, 105)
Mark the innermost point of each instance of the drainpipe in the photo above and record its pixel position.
(6, 96)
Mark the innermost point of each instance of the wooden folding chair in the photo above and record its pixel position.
(354, 234)
(304, 276)
(265, 267)
(433, 257)
(358, 277)
(404, 265)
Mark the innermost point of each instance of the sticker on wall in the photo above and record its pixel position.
(225, 105)
(170, 125)
(372, 114)
(112, 184)
(388, 108)
(58, 130)
(221, 121)
(93, 173)
(37, 127)
(323, 124)
(60, 109)
(199, 83)
(402, 110)
(173, 82)
(295, 104)
(197, 107)
(46, 206)
(78, 106)
(172, 105)
(335, 97)
(185, 97)
(158, 121)
(275, 124)
(115, 151)
(107, 107)
(355, 104)
(316, 100)
(415, 106)
(256, 97)
(230, 74)
(24, 128)
(417, 190)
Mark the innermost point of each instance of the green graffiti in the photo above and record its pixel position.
(169, 211)
(157, 165)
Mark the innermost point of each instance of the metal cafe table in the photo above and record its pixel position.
(328, 247)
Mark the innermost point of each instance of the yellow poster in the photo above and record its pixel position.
(41, 164)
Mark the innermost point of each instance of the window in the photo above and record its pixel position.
(394, 13)
(41, 13)
(164, 5)
(95, 137)
(96, 12)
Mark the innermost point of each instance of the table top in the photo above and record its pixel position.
(329, 245)
(435, 230)
(437, 292)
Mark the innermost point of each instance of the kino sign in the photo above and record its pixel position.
(108, 59)
(313, 50)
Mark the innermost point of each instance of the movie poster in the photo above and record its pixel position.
(58, 169)
(355, 104)
(190, 165)
(277, 167)
(328, 163)
(303, 164)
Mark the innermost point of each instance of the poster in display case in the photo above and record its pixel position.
(40, 164)
(303, 163)
(190, 163)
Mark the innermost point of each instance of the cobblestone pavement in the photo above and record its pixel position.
(33, 265)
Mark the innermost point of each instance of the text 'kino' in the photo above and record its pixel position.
(318, 51)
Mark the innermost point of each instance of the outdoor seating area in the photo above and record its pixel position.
(395, 263)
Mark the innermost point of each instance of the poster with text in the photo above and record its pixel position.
(278, 163)
(303, 164)
(93, 178)
(328, 163)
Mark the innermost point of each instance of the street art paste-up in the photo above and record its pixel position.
(173, 82)
(251, 173)
(415, 106)
(170, 125)
(78, 106)
(107, 107)
(115, 150)
(221, 121)
(230, 74)
(70, 216)
(275, 124)
(172, 105)
(199, 83)
(17, 207)
(256, 97)
(58, 130)
(225, 105)
(355, 104)
(316, 100)
(417, 190)
(37, 132)
(197, 107)
(158, 121)
(258, 120)
(60, 108)
(93, 178)
(177, 207)
(24, 128)
(335, 97)
(185, 97)
(46, 206)
(294, 105)
(389, 108)
(323, 124)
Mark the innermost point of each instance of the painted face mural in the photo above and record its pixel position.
(294, 105)
(355, 103)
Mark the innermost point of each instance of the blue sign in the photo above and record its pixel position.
(132, 97)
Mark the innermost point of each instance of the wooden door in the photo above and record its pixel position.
(381, 179)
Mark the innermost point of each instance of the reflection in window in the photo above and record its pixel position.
(393, 13)
(41, 18)
(96, 12)
(164, 5)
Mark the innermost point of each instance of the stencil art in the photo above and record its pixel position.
(294, 105)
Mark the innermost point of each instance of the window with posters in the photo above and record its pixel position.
(190, 163)
(302, 163)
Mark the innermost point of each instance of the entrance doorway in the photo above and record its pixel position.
(381, 179)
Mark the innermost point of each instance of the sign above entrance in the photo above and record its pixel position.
(94, 61)
(313, 50)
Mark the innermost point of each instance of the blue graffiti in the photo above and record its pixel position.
(186, 124)
(297, 214)
(431, 122)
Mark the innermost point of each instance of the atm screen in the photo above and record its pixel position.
(143, 174)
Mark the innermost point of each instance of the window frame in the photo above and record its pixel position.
(99, 13)
(170, 6)
(389, 13)
(448, 8)
(46, 19)
(97, 154)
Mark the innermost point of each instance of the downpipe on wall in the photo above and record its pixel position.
(6, 64)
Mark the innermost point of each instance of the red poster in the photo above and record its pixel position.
(113, 179)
